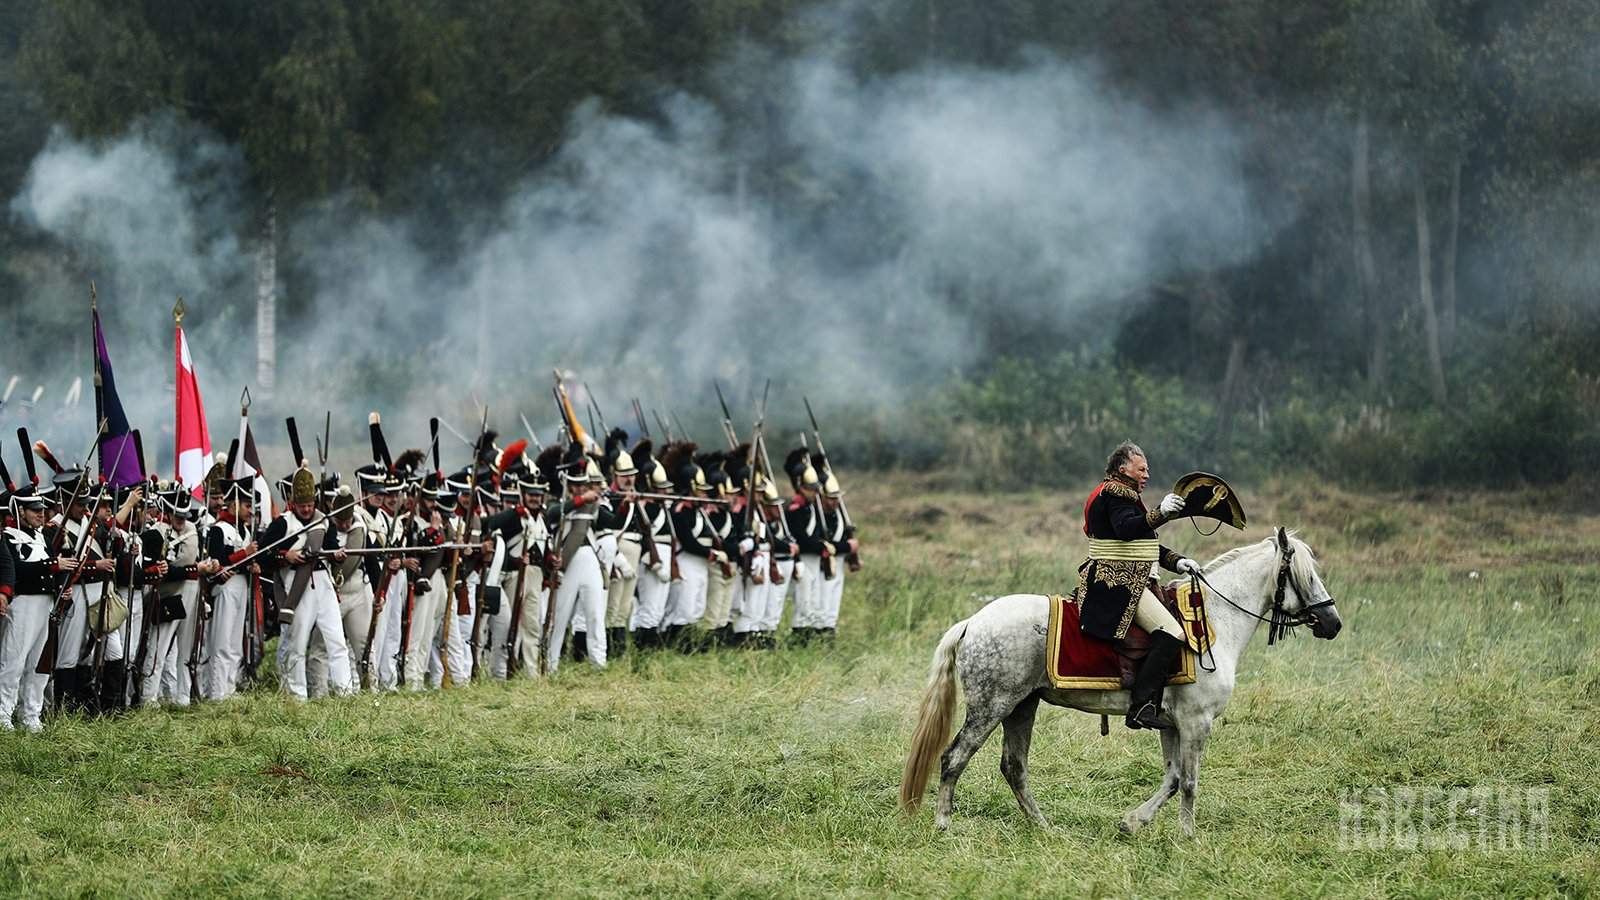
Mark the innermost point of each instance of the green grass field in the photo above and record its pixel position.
(777, 773)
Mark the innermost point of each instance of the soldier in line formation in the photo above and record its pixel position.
(408, 578)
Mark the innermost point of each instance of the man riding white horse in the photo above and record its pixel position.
(1114, 581)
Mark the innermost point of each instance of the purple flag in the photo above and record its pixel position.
(116, 446)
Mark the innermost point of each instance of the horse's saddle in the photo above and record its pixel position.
(1075, 661)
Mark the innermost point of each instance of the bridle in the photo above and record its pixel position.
(1280, 622)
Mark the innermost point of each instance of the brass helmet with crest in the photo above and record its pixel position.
(303, 485)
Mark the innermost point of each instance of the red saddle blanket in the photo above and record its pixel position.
(1075, 661)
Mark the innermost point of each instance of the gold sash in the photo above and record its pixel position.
(1142, 550)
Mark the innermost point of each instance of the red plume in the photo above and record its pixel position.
(41, 450)
(509, 456)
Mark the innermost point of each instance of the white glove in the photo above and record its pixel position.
(1171, 504)
(624, 569)
(664, 568)
(799, 570)
(1188, 567)
(717, 556)
(746, 545)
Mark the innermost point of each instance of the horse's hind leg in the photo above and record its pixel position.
(977, 728)
(1140, 816)
(1014, 756)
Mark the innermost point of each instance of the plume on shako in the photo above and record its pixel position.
(409, 462)
(678, 460)
(830, 484)
(617, 460)
(548, 465)
(655, 472)
(798, 466)
(711, 464)
(738, 467)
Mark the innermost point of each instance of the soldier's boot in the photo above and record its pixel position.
(68, 690)
(580, 646)
(616, 643)
(1149, 685)
(113, 681)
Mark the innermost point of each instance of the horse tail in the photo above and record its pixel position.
(933, 722)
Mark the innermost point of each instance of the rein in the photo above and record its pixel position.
(1280, 623)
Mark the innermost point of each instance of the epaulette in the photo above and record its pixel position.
(1118, 489)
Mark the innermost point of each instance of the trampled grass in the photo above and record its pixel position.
(777, 773)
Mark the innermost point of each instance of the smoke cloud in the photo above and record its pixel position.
(644, 258)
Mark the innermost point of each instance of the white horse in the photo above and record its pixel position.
(1001, 654)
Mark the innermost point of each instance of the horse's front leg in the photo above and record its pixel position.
(1191, 746)
(1140, 816)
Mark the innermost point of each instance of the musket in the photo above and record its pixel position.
(595, 405)
(47, 657)
(638, 416)
(197, 649)
(647, 495)
(853, 558)
(727, 418)
(825, 560)
(663, 426)
(750, 479)
(459, 436)
(516, 607)
(322, 455)
(678, 422)
(774, 574)
(223, 573)
(533, 437)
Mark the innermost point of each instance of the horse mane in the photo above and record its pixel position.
(1302, 566)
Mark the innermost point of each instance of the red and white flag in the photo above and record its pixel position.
(193, 442)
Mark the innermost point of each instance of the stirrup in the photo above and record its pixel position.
(1147, 715)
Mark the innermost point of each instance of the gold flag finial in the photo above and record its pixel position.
(177, 311)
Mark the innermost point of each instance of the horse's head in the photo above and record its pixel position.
(1301, 595)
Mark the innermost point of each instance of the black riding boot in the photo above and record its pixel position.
(1144, 703)
(616, 643)
(580, 645)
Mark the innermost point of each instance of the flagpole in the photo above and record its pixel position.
(99, 399)
(177, 402)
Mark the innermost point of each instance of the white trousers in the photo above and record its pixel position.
(1151, 615)
(159, 677)
(452, 643)
(776, 595)
(226, 640)
(719, 598)
(831, 592)
(22, 637)
(530, 628)
(651, 603)
(427, 614)
(387, 654)
(807, 592)
(686, 602)
(355, 614)
(69, 644)
(620, 593)
(175, 673)
(318, 611)
(582, 588)
(752, 598)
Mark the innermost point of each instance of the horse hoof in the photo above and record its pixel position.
(942, 824)
(1127, 826)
